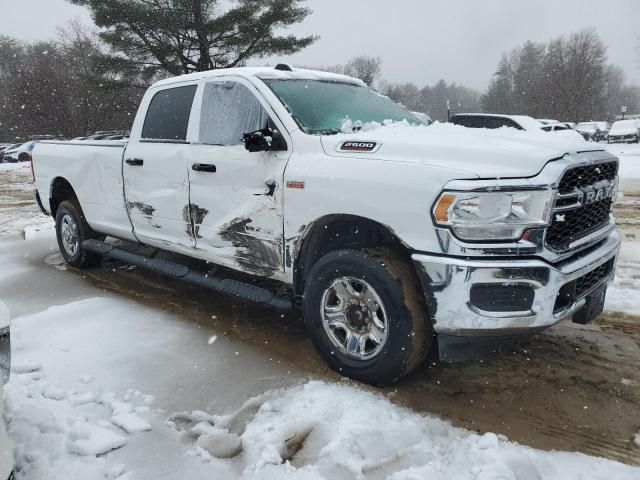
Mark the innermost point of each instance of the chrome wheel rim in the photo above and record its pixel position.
(70, 235)
(354, 318)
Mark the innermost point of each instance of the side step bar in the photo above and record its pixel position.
(178, 271)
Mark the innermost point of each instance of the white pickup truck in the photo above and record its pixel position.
(391, 237)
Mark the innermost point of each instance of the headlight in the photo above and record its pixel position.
(498, 215)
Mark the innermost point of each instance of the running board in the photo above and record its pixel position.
(178, 271)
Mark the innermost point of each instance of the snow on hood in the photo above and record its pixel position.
(503, 152)
(624, 127)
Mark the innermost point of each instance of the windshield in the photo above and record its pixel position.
(321, 107)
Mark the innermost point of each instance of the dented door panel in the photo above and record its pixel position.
(156, 192)
(237, 217)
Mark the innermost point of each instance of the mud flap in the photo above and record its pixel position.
(593, 307)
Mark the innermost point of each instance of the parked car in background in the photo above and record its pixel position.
(7, 146)
(624, 131)
(547, 121)
(596, 131)
(116, 137)
(106, 135)
(492, 120)
(554, 127)
(561, 129)
(520, 122)
(426, 119)
(571, 125)
(20, 153)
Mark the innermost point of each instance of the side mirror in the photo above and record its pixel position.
(264, 140)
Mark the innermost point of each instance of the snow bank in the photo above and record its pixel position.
(55, 436)
(622, 294)
(130, 423)
(60, 432)
(323, 430)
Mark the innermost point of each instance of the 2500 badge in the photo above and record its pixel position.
(358, 147)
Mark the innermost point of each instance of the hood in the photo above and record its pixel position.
(623, 130)
(502, 153)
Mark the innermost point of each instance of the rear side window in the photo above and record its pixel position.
(229, 110)
(168, 114)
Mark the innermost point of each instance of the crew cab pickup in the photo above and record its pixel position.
(330, 199)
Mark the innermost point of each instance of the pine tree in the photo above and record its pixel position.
(154, 38)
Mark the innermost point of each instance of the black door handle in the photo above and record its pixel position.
(136, 162)
(203, 167)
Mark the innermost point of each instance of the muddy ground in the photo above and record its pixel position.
(570, 388)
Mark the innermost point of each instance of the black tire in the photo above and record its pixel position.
(24, 157)
(409, 326)
(70, 211)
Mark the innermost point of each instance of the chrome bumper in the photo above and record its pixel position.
(447, 283)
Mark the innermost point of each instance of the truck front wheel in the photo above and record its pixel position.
(366, 314)
(71, 230)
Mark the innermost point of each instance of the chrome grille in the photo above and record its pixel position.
(573, 218)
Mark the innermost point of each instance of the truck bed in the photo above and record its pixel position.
(94, 168)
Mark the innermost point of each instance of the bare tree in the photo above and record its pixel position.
(433, 99)
(564, 79)
(95, 104)
(365, 68)
(52, 88)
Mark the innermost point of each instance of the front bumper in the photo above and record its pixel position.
(448, 284)
(623, 139)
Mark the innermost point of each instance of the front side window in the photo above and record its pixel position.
(322, 107)
(229, 110)
(168, 114)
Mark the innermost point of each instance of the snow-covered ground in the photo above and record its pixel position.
(17, 206)
(629, 155)
(131, 399)
(622, 295)
(104, 387)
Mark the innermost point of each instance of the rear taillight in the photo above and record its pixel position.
(33, 173)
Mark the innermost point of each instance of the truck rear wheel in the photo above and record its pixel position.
(366, 314)
(71, 230)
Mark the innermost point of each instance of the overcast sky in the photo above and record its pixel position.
(419, 40)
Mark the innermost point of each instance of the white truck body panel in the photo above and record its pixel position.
(95, 171)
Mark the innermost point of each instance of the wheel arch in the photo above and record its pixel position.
(60, 191)
(336, 232)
